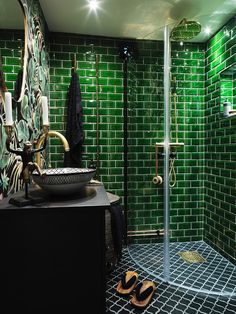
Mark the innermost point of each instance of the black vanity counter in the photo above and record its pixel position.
(90, 196)
(52, 254)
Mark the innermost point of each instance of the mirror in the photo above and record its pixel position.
(21, 78)
(13, 52)
(13, 60)
(228, 92)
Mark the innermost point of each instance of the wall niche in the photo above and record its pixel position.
(228, 92)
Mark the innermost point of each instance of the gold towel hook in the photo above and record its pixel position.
(74, 66)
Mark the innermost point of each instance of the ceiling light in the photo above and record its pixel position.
(93, 5)
(207, 30)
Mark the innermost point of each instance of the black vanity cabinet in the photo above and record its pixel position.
(52, 255)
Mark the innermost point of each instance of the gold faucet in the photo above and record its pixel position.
(50, 134)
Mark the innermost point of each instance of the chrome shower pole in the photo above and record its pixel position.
(166, 151)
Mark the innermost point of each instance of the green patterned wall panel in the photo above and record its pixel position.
(27, 110)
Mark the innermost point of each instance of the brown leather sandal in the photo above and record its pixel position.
(127, 283)
(143, 294)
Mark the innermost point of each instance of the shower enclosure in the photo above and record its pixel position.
(166, 222)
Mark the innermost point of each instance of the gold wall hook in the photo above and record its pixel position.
(74, 63)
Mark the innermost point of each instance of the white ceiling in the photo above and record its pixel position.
(142, 19)
(11, 15)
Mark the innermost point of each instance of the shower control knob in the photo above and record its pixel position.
(157, 180)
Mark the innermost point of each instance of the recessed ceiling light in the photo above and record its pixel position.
(93, 4)
(207, 30)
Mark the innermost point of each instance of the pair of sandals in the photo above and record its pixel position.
(143, 291)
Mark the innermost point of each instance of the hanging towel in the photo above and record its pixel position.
(74, 130)
(117, 228)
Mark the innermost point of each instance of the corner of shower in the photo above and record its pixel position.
(192, 264)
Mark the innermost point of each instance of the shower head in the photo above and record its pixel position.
(185, 30)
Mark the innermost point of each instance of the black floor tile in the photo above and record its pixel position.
(167, 299)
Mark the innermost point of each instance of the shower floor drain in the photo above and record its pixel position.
(192, 257)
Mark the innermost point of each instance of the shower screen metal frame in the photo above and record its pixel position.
(167, 67)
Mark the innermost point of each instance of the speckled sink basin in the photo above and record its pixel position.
(63, 181)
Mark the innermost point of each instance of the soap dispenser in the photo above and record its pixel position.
(227, 107)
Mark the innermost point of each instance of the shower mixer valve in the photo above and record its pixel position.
(157, 180)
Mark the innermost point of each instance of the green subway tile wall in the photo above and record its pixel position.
(63, 49)
(145, 124)
(11, 44)
(220, 152)
(146, 128)
(186, 197)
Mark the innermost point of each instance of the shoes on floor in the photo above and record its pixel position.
(143, 294)
(127, 283)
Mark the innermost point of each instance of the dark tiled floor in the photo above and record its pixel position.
(216, 274)
(166, 300)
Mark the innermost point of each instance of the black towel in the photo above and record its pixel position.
(117, 228)
(74, 130)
